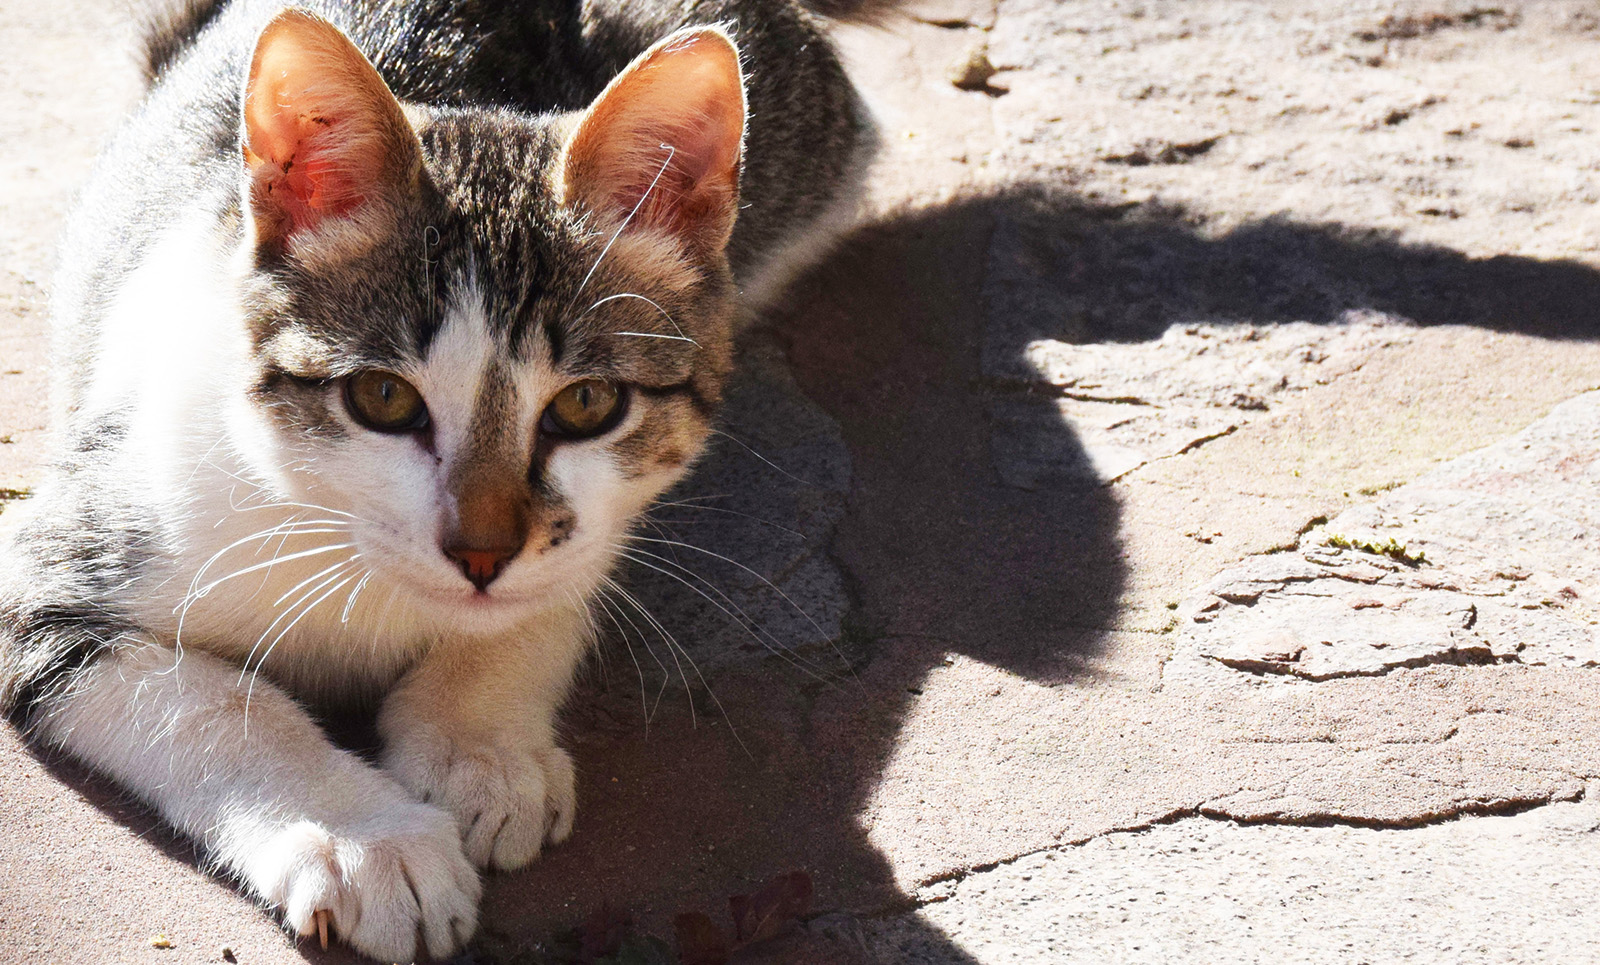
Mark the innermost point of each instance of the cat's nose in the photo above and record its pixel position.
(481, 566)
(493, 510)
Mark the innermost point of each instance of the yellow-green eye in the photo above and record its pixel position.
(584, 409)
(385, 402)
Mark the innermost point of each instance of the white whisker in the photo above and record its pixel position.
(350, 603)
(337, 572)
(644, 706)
(674, 647)
(203, 591)
(718, 509)
(666, 676)
(774, 587)
(289, 528)
(741, 444)
(250, 691)
(745, 622)
(673, 338)
(297, 586)
(666, 637)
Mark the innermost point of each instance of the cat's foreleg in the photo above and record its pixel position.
(472, 728)
(304, 825)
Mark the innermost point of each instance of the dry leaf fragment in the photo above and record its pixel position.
(761, 915)
(603, 932)
(699, 941)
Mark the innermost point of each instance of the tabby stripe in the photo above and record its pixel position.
(701, 402)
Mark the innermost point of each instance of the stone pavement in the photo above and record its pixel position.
(1168, 522)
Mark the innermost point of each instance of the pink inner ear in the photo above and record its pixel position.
(305, 175)
(666, 137)
(672, 164)
(316, 116)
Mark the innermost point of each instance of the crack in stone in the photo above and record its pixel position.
(1189, 447)
(1494, 807)
(942, 887)
(1480, 656)
(1054, 391)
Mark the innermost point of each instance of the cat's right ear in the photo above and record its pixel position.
(324, 138)
(662, 146)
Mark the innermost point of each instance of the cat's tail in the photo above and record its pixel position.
(872, 12)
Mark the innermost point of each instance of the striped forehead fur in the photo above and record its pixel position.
(555, 282)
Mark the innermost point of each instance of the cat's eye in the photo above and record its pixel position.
(385, 402)
(584, 409)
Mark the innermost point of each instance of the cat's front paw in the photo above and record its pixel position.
(392, 885)
(508, 800)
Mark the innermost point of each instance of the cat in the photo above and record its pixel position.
(377, 326)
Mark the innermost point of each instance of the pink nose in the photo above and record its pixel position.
(480, 566)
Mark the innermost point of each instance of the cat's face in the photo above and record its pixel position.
(508, 345)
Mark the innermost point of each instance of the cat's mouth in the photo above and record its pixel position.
(473, 598)
(493, 601)
(485, 598)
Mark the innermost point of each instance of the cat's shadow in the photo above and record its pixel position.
(916, 550)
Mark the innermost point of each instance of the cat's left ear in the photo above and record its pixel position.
(324, 138)
(660, 148)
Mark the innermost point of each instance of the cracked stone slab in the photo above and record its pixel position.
(1329, 117)
(1490, 890)
(1108, 439)
(1488, 559)
(1132, 403)
(1219, 366)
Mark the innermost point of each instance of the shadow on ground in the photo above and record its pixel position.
(766, 768)
(1076, 271)
(779, 767)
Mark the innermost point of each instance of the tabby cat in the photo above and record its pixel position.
(378, 325)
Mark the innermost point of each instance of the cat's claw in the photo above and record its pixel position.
(394, 887)
(507, 801)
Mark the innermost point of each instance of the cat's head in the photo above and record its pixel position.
(492, 338)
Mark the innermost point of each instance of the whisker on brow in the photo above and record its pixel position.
(671, 153)
(648, 301)
(672, 338)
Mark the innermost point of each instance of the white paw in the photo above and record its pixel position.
(395, 884)
(508, 801)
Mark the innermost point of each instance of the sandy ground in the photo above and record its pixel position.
(1177, 297)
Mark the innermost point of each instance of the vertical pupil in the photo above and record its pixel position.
(387, 390)
(584, 392)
